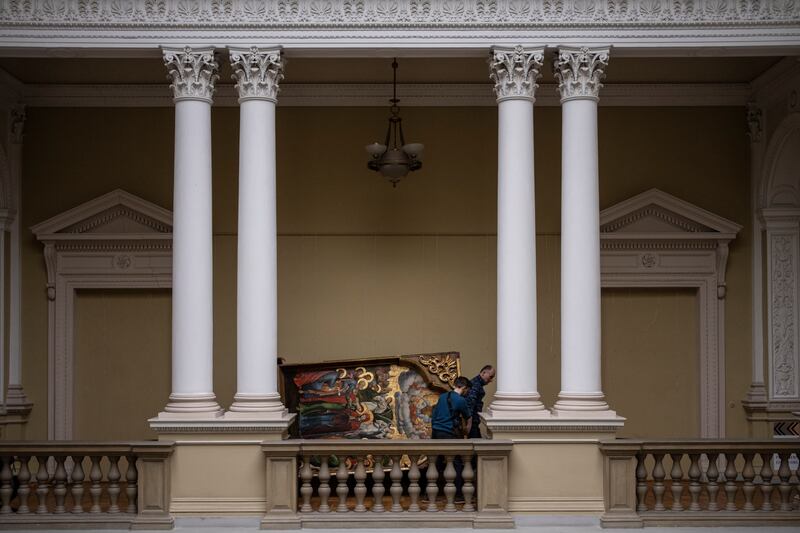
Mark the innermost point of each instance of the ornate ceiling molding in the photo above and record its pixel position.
(365, 23)
(395, 13)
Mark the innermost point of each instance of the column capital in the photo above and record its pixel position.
(17, 125)
(515, 71)
(755, 122)
(579, 71)
(257, 72)
(193, 72)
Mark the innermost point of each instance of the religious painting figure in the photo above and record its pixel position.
(381, 401)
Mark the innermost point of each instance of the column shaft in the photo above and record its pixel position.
(579, 71)
(516, 251)
(16, 399)
(193, 74)
(515, 71)
(580, 250)
(192, 283)
(757, 393)
(257, 308)
(258, 73)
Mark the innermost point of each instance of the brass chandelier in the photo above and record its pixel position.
(394, 158)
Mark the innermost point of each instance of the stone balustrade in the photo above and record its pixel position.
(700, 482)
(85, 485)
(387, 483)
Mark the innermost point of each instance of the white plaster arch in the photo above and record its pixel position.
(656, 240)
(116, 241)
(780, 181)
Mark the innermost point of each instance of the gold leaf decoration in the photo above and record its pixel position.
(443, 366)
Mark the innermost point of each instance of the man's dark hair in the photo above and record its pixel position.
(461, 382)
(487, 367)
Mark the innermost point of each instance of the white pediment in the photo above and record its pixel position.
(116, 213)
(655, 213)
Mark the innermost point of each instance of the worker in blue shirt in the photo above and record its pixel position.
(475, 398)
(451, 412)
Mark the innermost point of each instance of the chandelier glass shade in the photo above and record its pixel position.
(394, 158)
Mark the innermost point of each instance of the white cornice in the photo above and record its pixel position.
(364, 24)
(371, 95)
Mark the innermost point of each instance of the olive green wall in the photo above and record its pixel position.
(365, 269)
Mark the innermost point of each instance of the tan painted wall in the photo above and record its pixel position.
(651, 360)
(122, 365)
(365, 269)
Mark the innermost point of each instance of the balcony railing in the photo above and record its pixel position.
(85, 485)
(377, 483)
(700, 482)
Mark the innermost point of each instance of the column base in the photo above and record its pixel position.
(257, 407)
(517, 405)
(756, 394)
(583, 405)
(181, 406)
(17, 402)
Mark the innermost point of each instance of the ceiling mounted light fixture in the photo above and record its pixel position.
(394, 158)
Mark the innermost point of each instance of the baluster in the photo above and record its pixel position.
(77, 484)
(641, 482)
(5, 485)
(713, 478)
(324, 485)
(468, 489)
(306, 490)
(449, 486)
(24, 485)
(413, 484)
(95, 475)
(694, 482)
(396, 490)
(131, 486)
(658, 481)
(341, 486)
(60, 489)
(377, 488)
(748, 473)
(432, 489)
(730, 481)
(766, 481)
(784, 472)
(676, 481)
(41, 485)
(361, 487)
(113, 483)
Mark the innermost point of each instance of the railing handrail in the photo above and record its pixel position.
(373, 446)
(697, 445)
(68, 447)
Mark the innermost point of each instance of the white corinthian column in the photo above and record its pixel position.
(193, 73)
(578, 72)
(258, 74)
(515, 71)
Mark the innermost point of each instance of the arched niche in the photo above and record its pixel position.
(116, 241)
(655, 240)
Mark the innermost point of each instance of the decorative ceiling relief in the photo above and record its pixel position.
(397, 13)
